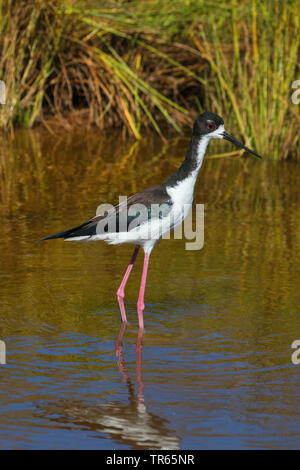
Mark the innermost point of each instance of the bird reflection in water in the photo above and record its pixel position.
(148, 430)
(130, 423)
(121, 366)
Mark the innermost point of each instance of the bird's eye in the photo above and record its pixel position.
(211, 125)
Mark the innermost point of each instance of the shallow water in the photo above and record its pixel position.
(213, 368)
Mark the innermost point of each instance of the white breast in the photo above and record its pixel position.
(182, 193)
(182, 197)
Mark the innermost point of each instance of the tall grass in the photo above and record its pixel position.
(251, 73)
(153, 63)
(61, 58)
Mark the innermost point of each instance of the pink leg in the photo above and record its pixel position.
(121, 290)
(140, 303)
(119, 352)
(139, 365)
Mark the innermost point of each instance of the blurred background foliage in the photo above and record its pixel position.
(150, 63)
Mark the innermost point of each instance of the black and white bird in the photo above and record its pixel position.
(146, 216)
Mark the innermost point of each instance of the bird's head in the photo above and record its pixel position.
(211, 126)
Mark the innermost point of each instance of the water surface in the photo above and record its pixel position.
(213, 368)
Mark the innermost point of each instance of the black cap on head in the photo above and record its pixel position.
(207, 122)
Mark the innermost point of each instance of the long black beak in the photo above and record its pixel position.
(231, 139)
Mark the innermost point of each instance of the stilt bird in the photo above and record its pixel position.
(147, 215)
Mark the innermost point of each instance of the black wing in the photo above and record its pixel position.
(149, 203)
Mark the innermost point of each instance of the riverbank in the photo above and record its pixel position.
(153, 64)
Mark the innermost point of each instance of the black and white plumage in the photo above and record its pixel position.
(99, 227)
(149, 214)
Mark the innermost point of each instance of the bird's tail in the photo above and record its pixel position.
(63, 234)
(86, 230)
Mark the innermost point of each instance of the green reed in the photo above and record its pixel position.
(251, 72)
(153, 63)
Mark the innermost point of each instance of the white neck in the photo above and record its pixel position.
(183, 191)
(201, 149)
